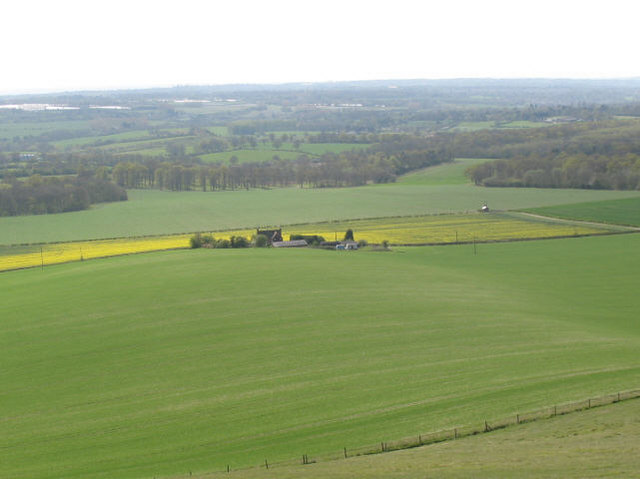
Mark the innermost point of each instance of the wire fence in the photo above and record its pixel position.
(449, 434)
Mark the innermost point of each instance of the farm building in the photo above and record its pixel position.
(290, 244)
(272, 235)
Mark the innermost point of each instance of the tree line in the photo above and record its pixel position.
(37, 195)
(381, 163)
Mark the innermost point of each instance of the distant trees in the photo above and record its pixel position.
(38, 195)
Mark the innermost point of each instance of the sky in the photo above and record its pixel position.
(66, 45)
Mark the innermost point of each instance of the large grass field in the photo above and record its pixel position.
(165, 363)
(599, 443)
(163, 212)
(623, 211)
(446, 174)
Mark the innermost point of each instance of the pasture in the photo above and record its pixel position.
(152, 212)
(445, 174)
(622, 211)
(181, 361)
(599, 443)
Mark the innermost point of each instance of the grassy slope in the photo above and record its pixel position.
(163, 212)
(622, 211)
(193, 360)
(445, 174)
(597, 443)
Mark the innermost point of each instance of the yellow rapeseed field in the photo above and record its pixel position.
(54, 253)
(445, 229)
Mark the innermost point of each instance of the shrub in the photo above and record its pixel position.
(261, 241)
(362, 243)
(223, 243)
(208, 241)
(239, 242)
(196, 241)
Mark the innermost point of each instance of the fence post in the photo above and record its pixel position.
(228, 468)
(618, 397)
(455, 433)
(555, 410)
(420, 439)
(486, 427)
(517, 418)
(345, 452)
(266, 464)
(589, 404)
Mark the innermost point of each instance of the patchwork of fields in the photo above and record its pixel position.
(434, 229)
(152, 212)
(183, 362)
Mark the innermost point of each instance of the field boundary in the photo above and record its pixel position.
(444, 435)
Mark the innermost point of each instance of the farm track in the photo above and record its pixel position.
(577, 222)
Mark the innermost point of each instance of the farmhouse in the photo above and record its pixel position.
(272, 235)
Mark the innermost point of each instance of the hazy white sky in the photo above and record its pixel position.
(88, 44)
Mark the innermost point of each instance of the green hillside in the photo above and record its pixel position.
(598, 443)
(160, 364)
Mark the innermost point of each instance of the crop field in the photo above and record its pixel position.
(447, 229)
(152, 212)
(622, 212)
(599, 443)
(180, 361)
(433, 229)
(17, 257)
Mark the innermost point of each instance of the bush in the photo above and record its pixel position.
(239, 242)
(196, 241)
(261, 241)
(223, 243)
(208, 241)
(362, 243)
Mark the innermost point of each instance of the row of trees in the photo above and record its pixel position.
(37, 195)
(379, 164)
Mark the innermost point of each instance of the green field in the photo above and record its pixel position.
(166, 363)
(621, 212)
(446, 174)
(599, 443)
(150, 212)
(9, 130)
(490, 125)
(249, 155)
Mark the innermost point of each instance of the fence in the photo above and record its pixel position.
(448, 434)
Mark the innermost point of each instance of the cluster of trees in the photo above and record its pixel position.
(603, 155)
(37, 195)
(620, 172)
